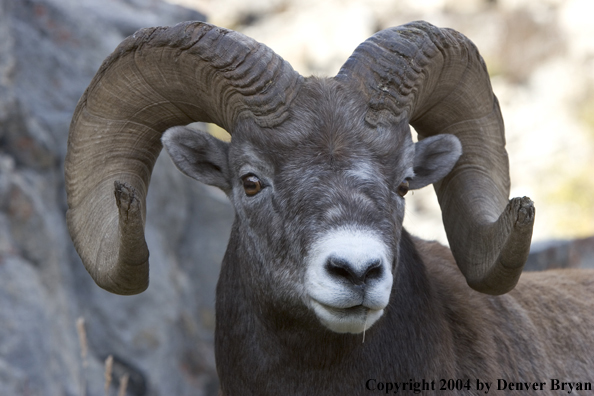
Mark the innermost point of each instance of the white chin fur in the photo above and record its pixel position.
(339, 305)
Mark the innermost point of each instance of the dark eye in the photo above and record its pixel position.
(251, 184)
(403, 188)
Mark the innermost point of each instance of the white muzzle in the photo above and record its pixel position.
(349, 279)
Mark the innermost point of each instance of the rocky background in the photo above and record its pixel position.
(541, 57)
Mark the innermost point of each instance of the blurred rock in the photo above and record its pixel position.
(49, 51)
(577, 253)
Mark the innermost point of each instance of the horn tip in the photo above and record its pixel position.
(510, 237)
(524, 210)
(137, 286)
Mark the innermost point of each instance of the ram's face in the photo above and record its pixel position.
(323, 215)
(319, 206)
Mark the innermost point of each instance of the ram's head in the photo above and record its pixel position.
(316, 169)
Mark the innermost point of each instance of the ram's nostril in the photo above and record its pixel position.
(374, 270)
(339, 268)
(342, 269)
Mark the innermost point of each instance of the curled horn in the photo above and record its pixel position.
(156, 79)
(435, 80)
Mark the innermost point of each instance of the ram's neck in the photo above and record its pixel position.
(256, 351)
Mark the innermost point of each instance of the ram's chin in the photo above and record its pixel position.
(346, 320)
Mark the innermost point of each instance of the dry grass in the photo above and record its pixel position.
(123, 384)
(84, 352)
(108, 371)
(84, 349)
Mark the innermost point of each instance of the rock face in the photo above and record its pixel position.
(49, 51)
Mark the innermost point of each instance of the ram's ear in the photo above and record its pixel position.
(435, 157)
(199, 155)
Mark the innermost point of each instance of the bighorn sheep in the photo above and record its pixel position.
(317, 170)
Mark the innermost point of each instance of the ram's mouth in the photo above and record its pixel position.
(350, 311)
(355, 319)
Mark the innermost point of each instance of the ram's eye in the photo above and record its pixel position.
(403, 188)
(251, 184)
